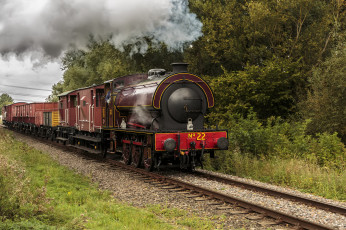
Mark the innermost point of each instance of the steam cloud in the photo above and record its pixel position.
(51, 26)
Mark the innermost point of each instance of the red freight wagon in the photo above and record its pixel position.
(43, 113)
(34, 118)
(31, 117)
(15, 111)
(80, 117)
(82, 109)
(9, 113)
(89, 108)
(40, 113)
(22, 113)
(67, 108)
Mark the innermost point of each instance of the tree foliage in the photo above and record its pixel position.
(223, 42)
(101, 62)
(5, 99)
(56, 90)
(242, 33)
(268, 90)
(326, 101)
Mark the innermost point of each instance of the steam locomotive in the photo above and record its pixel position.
(151, 119)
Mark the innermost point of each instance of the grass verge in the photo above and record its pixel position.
(295, 173)
(38, 193)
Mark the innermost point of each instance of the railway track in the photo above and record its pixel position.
(318, 204)
(224, 201)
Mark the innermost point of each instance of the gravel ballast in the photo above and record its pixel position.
(300, 210)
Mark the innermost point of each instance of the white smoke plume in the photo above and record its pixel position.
(53, 26)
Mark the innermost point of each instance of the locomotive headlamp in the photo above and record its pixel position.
(222, 143)
(169, 145)
(189, 124)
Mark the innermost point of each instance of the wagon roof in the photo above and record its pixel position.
(71, 91)
(65, 93)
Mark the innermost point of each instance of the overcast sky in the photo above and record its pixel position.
(16, 73)
(34, 35)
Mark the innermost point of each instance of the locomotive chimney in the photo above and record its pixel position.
(179, 67)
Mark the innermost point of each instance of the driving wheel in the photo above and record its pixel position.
(136, 156)
(126, 153)
(148, 161)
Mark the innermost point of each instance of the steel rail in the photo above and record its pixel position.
(319, 204)
(280, 216)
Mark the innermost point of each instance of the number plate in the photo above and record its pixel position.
(198, 136)
(206, 139)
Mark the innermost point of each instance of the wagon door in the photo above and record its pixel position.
(97, 110)
(47, 118)
(91, 112)
(72, 109)
(67, 112)
(78, 112)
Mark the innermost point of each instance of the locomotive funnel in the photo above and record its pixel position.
(179, 67)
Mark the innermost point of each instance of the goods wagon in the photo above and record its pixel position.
(39, 118)
(9, 113)
(80, 117)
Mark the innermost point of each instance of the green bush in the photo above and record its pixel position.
(286, 140)
(329, 151)
(282, 152)
(326, 99)
(280, 138)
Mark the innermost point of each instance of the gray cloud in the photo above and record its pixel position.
(51, 27)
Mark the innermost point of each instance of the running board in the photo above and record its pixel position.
(91, 139)
(86, 149)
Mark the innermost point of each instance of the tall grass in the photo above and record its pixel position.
(17, 198)
(294, 173)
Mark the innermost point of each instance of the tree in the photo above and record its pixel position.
(268, 90)
(101, 62)
(56, 90)
(241, 33)
(5, 99)
(223, 42)
(326, 101)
